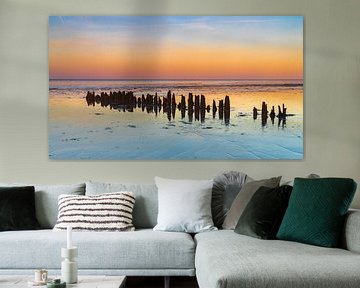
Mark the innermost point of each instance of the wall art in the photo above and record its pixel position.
(175, 87)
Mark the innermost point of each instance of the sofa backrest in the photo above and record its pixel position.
(146, 203)
(46, 200)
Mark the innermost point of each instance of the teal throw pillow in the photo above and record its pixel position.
(316, 211)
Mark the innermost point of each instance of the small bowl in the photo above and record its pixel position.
(56, 283)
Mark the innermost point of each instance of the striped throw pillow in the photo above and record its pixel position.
(105, 212)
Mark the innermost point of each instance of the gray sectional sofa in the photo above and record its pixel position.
(219, 259)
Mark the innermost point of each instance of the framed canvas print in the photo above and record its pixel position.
(175, 87)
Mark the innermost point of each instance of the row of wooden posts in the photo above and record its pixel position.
(195, 104)
(265, 113)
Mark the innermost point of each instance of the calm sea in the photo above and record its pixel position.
(177, 86)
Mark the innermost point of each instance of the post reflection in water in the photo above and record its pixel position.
(196, 106)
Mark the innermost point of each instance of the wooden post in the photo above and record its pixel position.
(221, 109)
(173, 106)
(227, 110)
(214, 109)
(190, 107)
(169, 98)
(272, 114)
(197, 104)
(255, 113)
(202, 108)
(182, 106)
(264, 114)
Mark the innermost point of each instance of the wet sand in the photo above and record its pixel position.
(79, 131)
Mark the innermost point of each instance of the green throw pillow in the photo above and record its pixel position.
(316, 211)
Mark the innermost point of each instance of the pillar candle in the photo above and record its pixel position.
(69, 237)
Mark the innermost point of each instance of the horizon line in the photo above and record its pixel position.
(170, 79)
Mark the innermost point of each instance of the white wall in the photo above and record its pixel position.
(332, 91)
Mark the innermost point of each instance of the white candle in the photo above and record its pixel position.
(69, 237)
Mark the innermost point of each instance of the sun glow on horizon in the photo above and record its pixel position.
(149, 47)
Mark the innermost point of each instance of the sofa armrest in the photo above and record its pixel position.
(351, 232)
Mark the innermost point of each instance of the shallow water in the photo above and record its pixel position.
(80, 131)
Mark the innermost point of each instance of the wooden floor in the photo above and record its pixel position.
(158, 282)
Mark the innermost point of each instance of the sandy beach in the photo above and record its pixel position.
(81, 131)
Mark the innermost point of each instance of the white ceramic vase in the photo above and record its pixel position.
(69, 270)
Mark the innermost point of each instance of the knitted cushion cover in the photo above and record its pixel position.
(105, 212)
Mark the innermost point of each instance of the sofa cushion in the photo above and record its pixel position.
(146, 205)
(225, 259)
(243, 198)
(142, 249)
(317, 209)
(350, 239)
(263, 215)
(225, 189)
(46, 200)
(184, 205)
(105, 212)
(17, 209)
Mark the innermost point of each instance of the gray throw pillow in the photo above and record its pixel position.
(242, 199)
(226, 187)
(310, 176)
(46, 200)
(184, 205)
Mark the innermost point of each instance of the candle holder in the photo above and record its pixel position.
(69, 271)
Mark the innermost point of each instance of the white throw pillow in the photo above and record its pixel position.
(105, 212)
(184, 205)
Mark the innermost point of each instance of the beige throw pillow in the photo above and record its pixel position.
(243, 198)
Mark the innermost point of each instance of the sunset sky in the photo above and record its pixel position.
(175, 47)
